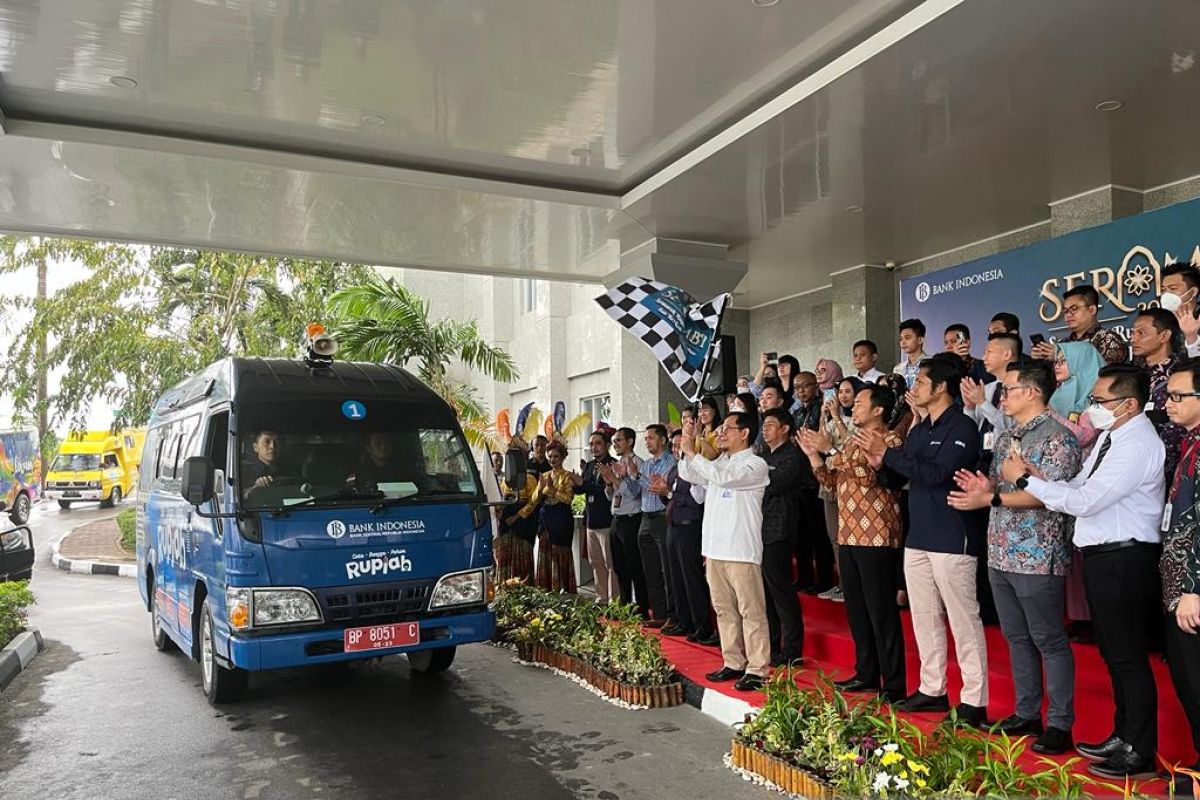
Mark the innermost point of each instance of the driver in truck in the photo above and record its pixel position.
(259, 472)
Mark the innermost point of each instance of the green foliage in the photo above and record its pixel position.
(864, 750)
(15, 598)
(610, 637)
(382, 320)
(146, 317)
(578, 504)
(126, 522)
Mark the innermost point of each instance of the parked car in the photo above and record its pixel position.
(16, 554)
(20, 466)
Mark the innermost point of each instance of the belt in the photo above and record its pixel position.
(1108, 547)
(653, 513)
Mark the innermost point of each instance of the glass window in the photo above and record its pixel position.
(75, 462)
(311, 452)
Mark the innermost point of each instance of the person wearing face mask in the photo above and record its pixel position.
(1117, 502)
(1181, 284)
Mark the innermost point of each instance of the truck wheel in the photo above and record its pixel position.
(162, 642)
(20, 510)
(114, 498)
(220, 685)
(64, 504)
(429, 662)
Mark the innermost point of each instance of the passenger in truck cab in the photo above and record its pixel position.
(376, 465)
(261, 466)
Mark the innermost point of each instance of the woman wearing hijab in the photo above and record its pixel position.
(840, 428)
(1076, 368)
(829, 373)
(1077, 365)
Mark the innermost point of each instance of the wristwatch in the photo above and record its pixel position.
(1022, 481)
(996, 499)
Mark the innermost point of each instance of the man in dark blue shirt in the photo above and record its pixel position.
(597, 517)
(943, 546)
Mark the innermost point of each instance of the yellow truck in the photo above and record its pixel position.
(95, 466)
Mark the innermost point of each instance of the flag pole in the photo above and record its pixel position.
(713, 345)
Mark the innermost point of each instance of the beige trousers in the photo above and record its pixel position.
(740, 603)
(600, 557)
(942, 585)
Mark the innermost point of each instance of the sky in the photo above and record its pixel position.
(24, 283)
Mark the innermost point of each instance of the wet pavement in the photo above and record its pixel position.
(102, 714)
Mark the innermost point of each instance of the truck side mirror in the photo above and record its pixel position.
(197, 484)
(514, 468)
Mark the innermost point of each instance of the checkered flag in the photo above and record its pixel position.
(683, 334)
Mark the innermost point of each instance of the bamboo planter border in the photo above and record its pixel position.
(788, 777)
(664, 696)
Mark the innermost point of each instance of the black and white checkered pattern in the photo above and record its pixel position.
(625, 303)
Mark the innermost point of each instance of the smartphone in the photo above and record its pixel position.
(1036, 338)
(830, 394)
(772, 358)
(960, 337)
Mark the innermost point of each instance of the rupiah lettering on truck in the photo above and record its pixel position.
(297, 513)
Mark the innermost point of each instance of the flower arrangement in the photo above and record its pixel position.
(609, 639)
(815, 741)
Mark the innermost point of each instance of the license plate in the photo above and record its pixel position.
(379, 637)
(70, 494)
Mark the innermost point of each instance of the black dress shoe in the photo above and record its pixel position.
(708, 639)
(893, 699)
(1099, 751)
(675, 630)
(969, 715)
(785, 660)
(1053, 742)
(1124, 763)
(725, 674)
(1019, 726)
(918, 702)
(750, 683)
(856, 684)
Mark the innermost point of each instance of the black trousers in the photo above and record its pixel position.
(785, 620)
(689, 586)
(1183, 657)
(814, 549)
(652, 545)
(869, 585)
(627, 560)
(1122, 588)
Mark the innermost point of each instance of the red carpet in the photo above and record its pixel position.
(829, 648)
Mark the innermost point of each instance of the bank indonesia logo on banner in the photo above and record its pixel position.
(682, 333)
(1123, 260)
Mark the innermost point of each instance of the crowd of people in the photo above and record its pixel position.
(1049, 488)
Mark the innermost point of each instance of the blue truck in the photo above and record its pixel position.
(295, 513)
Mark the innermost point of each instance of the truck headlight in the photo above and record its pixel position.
(460, 589)
(284, 607)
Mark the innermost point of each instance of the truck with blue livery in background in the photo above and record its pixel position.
(305, 512)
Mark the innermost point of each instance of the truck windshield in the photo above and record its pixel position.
(75, 462)
(317, 453)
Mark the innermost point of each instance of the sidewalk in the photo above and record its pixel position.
(96, 541)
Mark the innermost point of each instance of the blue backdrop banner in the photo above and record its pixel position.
(1121, 259)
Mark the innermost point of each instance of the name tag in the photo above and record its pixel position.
(989, 440)
(591, 498)
(1166, 518)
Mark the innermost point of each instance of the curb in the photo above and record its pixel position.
(729, 711)
(88, 567)
(18, 655)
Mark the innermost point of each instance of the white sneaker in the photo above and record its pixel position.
(834, 594)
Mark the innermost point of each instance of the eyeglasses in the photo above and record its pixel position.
(1099, 401)
(1075, 309)
(1177, 397)
(1060, 359)
(1005, 389)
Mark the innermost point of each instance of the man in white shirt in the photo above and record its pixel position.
(1117, 501)
(912, 349)
(865, 354)
(731, 536)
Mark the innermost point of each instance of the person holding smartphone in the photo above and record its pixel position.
(957, 339)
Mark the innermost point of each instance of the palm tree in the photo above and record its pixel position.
(382, 320)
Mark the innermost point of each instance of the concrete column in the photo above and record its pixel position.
(1096, 207)
(864, 307)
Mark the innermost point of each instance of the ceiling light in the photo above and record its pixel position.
(1109, 105)
(374, 120)
(855, 209)
(123, 81)
(763, 3)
